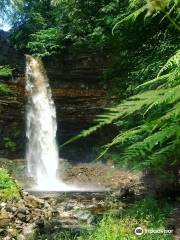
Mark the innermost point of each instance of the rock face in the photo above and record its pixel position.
(78, 99)
(10, 56)
(12, 105)
(77, 93)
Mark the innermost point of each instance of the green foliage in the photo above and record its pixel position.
(5, 71)
(153, 140)
(145, 37)
(155, 5)
(8, 187)
(5, 180)
(152, 6)
(44, 42)
(132, 17)
(147, 214)
(148, 120)
(29, 17)
(9, 144)
(82, 24)
(144, 45)
(4, 89)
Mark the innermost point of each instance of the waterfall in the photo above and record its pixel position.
(41, 126)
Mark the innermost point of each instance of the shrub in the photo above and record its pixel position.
(8, 187)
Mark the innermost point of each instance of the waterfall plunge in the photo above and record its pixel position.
(42, 152)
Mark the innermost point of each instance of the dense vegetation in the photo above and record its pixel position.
(9, 189)
(142, 40)
(148, 213)
(144, 72)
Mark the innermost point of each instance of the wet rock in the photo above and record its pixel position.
(25, 193)
(84, 216)
(3, 232)
(76, 229)
(22, 210)
(55, 213)
(46, 205)
(68, 207)
(34, 202)
(12, 232)
(8, 238)
(3, 204)
(30, 232)
(17, 223)
(103, 176)
(21, 217)
(10, 208)
(21, 237)
(4, 218)
(119, 193)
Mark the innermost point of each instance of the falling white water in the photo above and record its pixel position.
(42, 152)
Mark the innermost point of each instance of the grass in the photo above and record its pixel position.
(147, 214)
(9, 189)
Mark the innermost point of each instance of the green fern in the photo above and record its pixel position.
(131, 17)
(150, 6)
(155, 138)
(173, 62)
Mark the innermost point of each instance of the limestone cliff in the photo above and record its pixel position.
(77, 94)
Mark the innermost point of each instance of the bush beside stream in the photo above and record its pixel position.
(9, 190)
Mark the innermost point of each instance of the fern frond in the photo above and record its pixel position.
(132, 17)
(132, 105)
(145, 147)
(146, 129)
(159, 158)
(161, 81)
(134, 4)
(155, 137)
(121, 138)
(174, 61)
